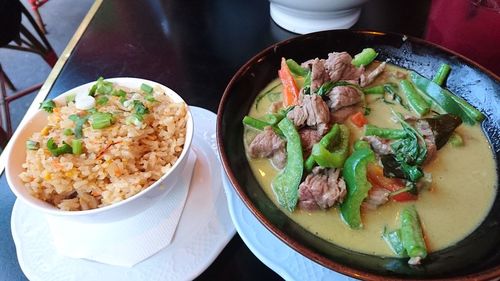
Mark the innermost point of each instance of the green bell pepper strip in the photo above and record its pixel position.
(411, 233)
(416, 102)
(354, 174)
(385, 133)
(446, 100)
(335, 158)
(365, 57)
(328, 140)
(442, 74)
(296, 69)
(286, 185)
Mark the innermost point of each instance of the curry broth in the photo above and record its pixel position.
(462, 191)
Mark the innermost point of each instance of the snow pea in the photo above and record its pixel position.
(286, 184)
(354, 173)
(442, 74)
(322, 152)
(411, 233)
(296, 69)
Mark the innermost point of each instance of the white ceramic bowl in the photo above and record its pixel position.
(129, 207)
(302, 17)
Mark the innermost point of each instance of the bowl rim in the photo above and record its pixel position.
(58, 212)
(285, 238)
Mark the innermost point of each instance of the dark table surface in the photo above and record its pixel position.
(194, 47)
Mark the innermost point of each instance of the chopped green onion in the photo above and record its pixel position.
(140, 108)
(123, 99)
(134, 119)
(32, 145)
(101, 87)
(48, 106)
(77, 147)
(58, 150)
(146, 88)
(70, 98)
(150, 98)
(79, 121)
(101, 120)
(68, 132)
(119, 93)
(102, 100)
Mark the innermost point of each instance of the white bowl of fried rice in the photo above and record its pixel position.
(101, 152)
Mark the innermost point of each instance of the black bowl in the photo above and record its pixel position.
(475, 257)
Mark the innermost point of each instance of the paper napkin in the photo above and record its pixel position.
(129, 241)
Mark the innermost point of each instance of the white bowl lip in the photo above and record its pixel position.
(118, 80)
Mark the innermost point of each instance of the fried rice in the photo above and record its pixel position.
(117, 162)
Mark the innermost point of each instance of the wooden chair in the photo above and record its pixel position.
(16, 35)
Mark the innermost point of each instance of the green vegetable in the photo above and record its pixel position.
(456, 140)
(79, 122)
(150, 98)
(286, 184)
(296, 69)
(146, 88)
(32, 145)
(102, 100)
(411, 233)
(410, 152)
(70, 98)
(119, 93)
(101, 87)
(390, 88)
(442, 74)
(332, 158)
(328, 86)
(77, 147)
(354, 173)
(385, 133)
(58, 150)
(259, 124)
(68, 132)
(416, 102)
(48, 105)
(274, 118)
(365, 57)
(101, 120)
(360, 144)
(394, 240)
(446, 100)
(375, 90)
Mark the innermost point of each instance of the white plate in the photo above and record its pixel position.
(269, 249)
(204, 229)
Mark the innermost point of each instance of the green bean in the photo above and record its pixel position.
(260, 125)
(285, 186)
(416, 102)
(442, 74)
(365, 57)
(411, 233)
(371, 130)
(393, 239)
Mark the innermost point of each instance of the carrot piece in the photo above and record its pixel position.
(375, 175)
(359, 119)
(290, 89)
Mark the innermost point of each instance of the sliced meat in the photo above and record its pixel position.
(309, 137)
(425, 129)
(376, 197)
(318, 74)
(268, 145)
(339, 116)
(322, 189)
(367, 79)
(339, 67)
(379, 145)
(342, 96)
(312, 112)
